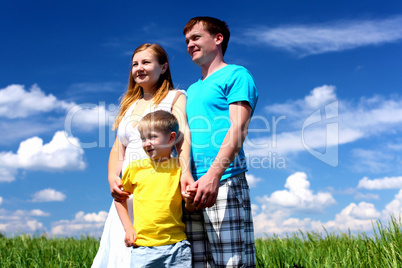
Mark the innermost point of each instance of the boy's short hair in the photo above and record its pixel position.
(160, 120)
(213, 26)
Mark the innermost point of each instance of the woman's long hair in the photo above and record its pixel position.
(135, 92)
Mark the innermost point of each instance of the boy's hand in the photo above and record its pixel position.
(130, 238)
(189, 194)
(188, 197)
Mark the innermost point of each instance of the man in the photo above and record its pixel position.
(219, 108)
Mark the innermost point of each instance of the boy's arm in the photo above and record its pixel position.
(131, 235)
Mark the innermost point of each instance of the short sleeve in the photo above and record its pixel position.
(241, 87)
(127, 180)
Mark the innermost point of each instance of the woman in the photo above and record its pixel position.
(150, 88)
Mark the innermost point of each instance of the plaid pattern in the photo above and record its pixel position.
(223, 235)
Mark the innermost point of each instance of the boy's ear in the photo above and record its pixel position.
(172, 137)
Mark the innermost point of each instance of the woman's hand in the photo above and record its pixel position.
(117, 192)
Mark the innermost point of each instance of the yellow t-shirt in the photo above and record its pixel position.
(157, 201)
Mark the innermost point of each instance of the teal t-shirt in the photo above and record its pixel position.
(208, 116)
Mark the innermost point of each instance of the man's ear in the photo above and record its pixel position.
(218, 39)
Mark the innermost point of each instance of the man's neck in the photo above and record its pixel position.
(210, 68)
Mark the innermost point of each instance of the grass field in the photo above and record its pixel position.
(382, 249)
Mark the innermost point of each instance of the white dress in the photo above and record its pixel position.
(112, 250)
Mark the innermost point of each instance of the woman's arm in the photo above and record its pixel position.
(116, 158)
(183, 145)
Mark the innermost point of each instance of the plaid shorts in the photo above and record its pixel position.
(223, 235)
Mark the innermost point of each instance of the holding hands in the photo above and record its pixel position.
(201, 194)
(188, 196)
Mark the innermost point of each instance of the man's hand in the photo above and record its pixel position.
(117, 192)
(207, 191)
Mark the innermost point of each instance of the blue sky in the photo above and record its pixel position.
(324, 147)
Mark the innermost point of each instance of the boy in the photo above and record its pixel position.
(157, 237)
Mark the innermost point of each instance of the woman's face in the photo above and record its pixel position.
(146, 69)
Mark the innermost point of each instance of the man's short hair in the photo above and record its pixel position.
(161, 121)
(213, 26)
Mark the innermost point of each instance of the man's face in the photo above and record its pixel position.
(201, 46)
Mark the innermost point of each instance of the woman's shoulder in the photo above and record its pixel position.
(178, 92)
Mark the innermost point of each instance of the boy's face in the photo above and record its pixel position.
(157, 144)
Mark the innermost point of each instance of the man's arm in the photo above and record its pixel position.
(208, 185)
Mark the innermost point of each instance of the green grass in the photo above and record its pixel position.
(28, 251)
(303, 249)
(383, 249)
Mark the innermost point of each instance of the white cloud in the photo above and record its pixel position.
(255, 209)
(1, 200)
(17, 129)
(18, 103)
(91, 224)
(367, 196)
(383, 183)
(301, 125)
(320, 96)
(354, 217)
(88, 116)
(7, 174)
(95, 88)
(15, 222)
(48, 195)
(61, 153)
(350, 218)
(280, 222)
(363, 211)
(395, 146)
(305, 40)
(38, 212)
(252, 180)
(394, 207)
(298, 197)
(376, 160)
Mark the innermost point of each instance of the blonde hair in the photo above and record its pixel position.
(135, 92)
(160, 120)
